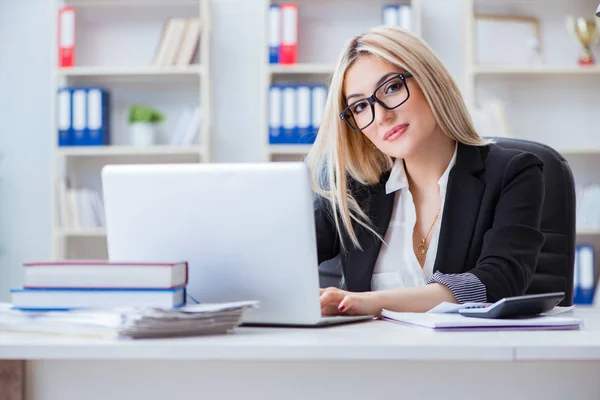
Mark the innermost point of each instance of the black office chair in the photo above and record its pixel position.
(554, 272)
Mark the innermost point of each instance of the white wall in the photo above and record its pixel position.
(26, 140)
(24, 137)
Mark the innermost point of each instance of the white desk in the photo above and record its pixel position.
(371, 360)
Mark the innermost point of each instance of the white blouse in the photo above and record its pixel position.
(397, 265)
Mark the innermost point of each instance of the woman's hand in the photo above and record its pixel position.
(335, 301)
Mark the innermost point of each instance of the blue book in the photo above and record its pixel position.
(69, 299)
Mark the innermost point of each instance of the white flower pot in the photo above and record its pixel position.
(142, 134)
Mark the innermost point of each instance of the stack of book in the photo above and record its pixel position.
(85, 284)
(178, 42)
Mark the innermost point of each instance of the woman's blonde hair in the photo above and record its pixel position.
(340, 153)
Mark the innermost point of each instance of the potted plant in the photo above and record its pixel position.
(143, 123)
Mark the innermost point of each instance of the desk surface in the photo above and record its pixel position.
(370, 340)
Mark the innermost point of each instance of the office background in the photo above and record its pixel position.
(237, 50)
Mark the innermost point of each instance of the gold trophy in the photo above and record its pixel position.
(587, 32)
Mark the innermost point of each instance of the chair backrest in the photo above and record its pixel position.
(554, 272)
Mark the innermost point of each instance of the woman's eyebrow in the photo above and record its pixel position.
(379, 82)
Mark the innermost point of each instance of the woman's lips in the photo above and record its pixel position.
(395, 132)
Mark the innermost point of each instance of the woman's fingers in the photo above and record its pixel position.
(349, 304)
(329, 309)
(332, 296)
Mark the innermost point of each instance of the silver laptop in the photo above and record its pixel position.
(247, 231)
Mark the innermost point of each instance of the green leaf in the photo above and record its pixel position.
(138, 113)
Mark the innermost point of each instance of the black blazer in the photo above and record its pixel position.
(490, 225)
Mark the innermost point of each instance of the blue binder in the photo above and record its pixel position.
(98, 124)
(304, 115)
(79, 113)
(274, 32)
(318, 100)
(275, 114)
(289, 120)
(584, 275)
(64, 116)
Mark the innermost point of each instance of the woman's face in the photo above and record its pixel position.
(398, 132)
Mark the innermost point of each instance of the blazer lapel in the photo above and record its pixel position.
(463, 197)
(359, 264)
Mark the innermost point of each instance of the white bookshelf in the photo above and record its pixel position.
(115, 42)
(316, 56)
(554, 101)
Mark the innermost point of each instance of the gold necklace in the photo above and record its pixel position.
(423, 246)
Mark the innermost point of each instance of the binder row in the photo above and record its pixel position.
(295, 113)
(584, 275)
(283, 33)
(398, 15)
(83, 116)
(283, 28)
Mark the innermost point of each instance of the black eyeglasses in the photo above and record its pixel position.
(390, 94)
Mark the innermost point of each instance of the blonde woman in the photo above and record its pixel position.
(421, 209)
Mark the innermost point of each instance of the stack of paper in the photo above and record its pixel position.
(135, 322)
(452, 321)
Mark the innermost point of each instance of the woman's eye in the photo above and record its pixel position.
(394, 87)
(359, 107)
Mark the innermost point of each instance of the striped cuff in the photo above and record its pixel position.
(466, 287)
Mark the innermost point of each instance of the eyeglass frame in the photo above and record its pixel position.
(373, 99)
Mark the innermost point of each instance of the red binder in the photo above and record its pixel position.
(288, 52)
(66, 37)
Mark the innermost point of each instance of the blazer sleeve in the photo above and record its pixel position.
(512, 246)
(328, 245)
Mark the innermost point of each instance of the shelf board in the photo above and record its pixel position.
(131, 3)
(189, 70)
(589, 232)
(580, 152)
(293, 149)
(542, 70)
(110, 150)
(83, 232)
(301, 68)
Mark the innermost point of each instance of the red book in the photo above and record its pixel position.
(66, 37)
(288, 51)
(98, 274)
